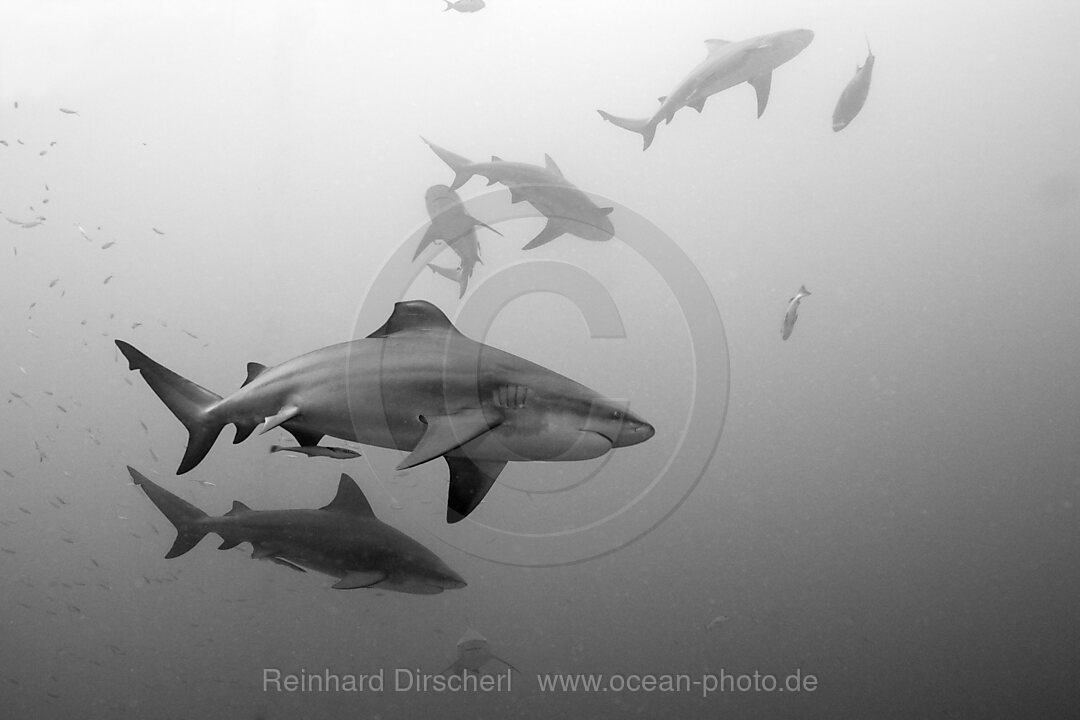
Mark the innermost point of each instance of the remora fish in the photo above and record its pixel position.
(792, 313)
(567, 209)
(343, 540)
(337, 453)
(726, 65)
(451, 224)
(415, 384)
(473, 652)
(464, 6)
(854, 96)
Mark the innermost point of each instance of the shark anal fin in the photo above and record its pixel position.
(445, 433)
(360, 579)
(470, 481)
(762, 84)
(552, 230)
(284, 415)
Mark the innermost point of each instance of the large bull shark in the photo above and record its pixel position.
(726, 65)
(415, 384)
(567, 209)
(455, 227)
(854, 96)
(343, 539)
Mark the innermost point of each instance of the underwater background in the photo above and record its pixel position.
(891, 505)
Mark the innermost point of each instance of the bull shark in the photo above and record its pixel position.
(473, 653)
(451, 224)
(726, 65)
(792, 313)
(567, 209)
(854, 96)
(415, 384)
(343, 539)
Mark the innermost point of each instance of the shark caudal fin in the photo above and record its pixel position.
(644, 127)
(186, 517)
(460, 165)
(187, 401)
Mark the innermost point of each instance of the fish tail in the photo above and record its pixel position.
(187, 518)
(190, 403)
(644, 126)
(461, 166)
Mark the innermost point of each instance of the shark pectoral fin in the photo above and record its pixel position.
(430, 236)
(504, 662)
(444, 433)
(285, 414)
(360, 579)
(552, 230)
(470, 481)
(286, 563)
(762, 84)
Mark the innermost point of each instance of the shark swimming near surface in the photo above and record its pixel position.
(415, 384)
(792, 313)
(568, 210)
(726, 65)
(455, 227)
(343, 539)
(854, 96)
(473, 653)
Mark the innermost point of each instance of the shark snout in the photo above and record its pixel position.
(634, 430)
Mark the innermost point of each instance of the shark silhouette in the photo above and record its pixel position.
(415, 384)
(343, 539)
(473, 653)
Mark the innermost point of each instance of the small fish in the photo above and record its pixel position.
(157, 231)
(108, 245)
(4, 143)
(135, 325)
(717, 621)
(145, 429)
(61, 408)
(43, 152)
(854, 95)
(190, 334)
(9, 474)
(53, 283)
(69, 111)
(107, 280)
(336, 453)
(464, 6)
(83, 232)
(206, 483)
(25, 510)
(153, 454)
(792, 313)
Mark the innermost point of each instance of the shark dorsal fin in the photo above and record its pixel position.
(496, 158)
(551, 166)
(413, 315)
(254, 370)
(350, 499)
(715, 44)
(237, 508)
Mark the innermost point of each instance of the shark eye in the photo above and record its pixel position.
(617, 414)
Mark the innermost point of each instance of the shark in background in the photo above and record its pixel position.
(726, 65)
(455, 227)
(568, 210)
(473, 653)
(855, 93)
(415, 384)
(343, 540)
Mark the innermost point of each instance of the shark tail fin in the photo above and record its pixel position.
(189, 402)
(461, 165)
(187, 518)
(644, 126)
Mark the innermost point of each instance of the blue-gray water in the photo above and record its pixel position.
(892, 505)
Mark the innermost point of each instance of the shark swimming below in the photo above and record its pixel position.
(568, 210)
(452, 225)
(415, 384)
(343, 539)
(792, 313)
(726, 65)
(854, 96)
(473, 653)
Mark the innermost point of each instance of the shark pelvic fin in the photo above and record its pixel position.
(360, 579)
(762, 84)
(350, 499)
(284, 415)
(470, 481)
(445, 433)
